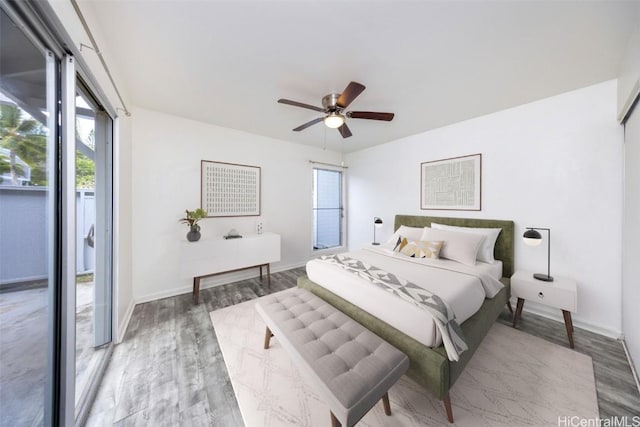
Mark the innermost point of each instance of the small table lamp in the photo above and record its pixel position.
(377, 223)
(531, 237)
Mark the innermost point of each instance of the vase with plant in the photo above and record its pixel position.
(191, 219)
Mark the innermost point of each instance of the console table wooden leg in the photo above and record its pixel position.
(260, 273)
(518, 312)
(568, 323)
(269, 275)
(196, 290)
(510, 307)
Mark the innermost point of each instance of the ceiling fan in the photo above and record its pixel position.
(334, 106)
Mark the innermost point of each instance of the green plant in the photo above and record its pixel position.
(193, 217)
(25, 138)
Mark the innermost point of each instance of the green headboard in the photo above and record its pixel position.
(504, 244)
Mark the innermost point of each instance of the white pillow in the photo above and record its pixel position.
(485, 253)
(458, 246)
(411, 233)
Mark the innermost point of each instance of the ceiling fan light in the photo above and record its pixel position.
(334, 120)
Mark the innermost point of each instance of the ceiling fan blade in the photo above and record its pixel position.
(306, 125)
(345, 131)
(300, 104)
(350, 93)
(371, 115)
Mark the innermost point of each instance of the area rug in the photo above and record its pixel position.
(514, 379)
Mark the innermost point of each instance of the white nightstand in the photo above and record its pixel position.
(562, 293)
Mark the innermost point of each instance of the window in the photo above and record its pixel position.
(328, 208)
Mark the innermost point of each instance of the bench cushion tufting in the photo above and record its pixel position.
(351, 367)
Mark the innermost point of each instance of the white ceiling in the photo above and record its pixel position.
(431, 63)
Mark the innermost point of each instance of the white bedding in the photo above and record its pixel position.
(462, 287)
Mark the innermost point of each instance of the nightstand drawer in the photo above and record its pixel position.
(558, 298)
(561, 293)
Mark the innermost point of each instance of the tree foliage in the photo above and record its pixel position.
(26, 138)
(85, 171)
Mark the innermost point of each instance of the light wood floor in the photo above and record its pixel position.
(169, 369)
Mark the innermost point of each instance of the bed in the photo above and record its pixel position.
(430, 367)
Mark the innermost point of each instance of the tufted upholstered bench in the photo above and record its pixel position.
(347, 364)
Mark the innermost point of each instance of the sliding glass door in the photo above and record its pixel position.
(93, 130)
(28, 226)
(55, 228)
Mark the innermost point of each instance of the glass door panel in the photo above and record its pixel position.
(93, 247)
(27, 226)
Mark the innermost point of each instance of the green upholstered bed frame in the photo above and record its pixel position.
(430, 367)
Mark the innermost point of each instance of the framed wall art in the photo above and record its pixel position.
(452, 184)
(229, 189)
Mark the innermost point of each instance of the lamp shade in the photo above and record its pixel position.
(334, 120)
(532, 237)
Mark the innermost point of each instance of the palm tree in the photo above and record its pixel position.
(24, 137)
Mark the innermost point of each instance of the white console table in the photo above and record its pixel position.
(210, 257)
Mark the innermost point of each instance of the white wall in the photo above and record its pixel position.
(166, 181)
(631, 249)
(629, 75)
(554, 163)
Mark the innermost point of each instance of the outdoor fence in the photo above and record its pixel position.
(24, 228)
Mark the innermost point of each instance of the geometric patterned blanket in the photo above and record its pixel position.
(445, 319)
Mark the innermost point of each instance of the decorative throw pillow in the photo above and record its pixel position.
(485, 253)
(422, 249)
(400, 243)
(461, 247)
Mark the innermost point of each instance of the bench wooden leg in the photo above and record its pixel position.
(510, 307)
(267, 338)
(334, 421)
(447, 407)
(385, 403)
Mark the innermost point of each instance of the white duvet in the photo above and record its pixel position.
(463, 287)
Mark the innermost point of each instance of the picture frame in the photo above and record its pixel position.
(452, 184)
(229, 189)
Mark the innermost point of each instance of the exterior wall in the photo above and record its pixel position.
(555, 163)
(23, 227)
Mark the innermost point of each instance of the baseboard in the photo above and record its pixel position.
(633, 367)
(122, 328)
(212, 282)
(547, 313)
